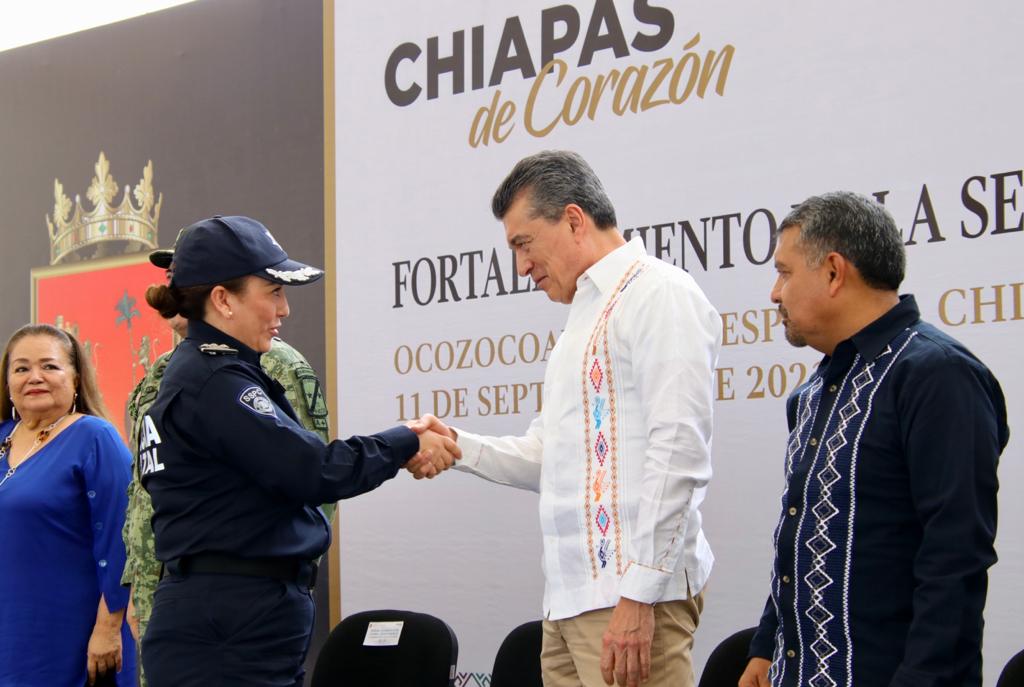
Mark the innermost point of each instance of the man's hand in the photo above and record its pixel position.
(626, 652)
(431, 423)
(756, 674)
(133, 619)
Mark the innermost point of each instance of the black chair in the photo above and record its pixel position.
(1013, 673)
(424, 656)
(729, 659)
(517, 663)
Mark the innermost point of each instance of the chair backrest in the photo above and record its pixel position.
(1013, 672)
(517, 663)
(729, 659)
(423, 655)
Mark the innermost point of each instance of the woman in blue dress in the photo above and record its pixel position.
(63, 477)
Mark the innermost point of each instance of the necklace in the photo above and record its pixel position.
(41, 437)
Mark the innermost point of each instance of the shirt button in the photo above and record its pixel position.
(785, 579)
(792, 510)
(813, 442)
(103, 563)
(91, 494)
(790, 653)
(832, 389)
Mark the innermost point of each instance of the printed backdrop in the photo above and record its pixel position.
(103, 305)
(706, 121)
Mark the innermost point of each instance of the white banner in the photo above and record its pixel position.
(706, 122)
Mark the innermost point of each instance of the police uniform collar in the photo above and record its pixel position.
(200, 333)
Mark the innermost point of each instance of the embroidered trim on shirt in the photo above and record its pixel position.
(600, 437)
(822, 626)
(655, 568)
(808, 408)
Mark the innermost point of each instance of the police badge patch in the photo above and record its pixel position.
(255, 399)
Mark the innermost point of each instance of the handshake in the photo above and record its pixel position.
(438, 450)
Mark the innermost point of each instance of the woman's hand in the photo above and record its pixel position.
(437, 453)
(104, 651)
(434, 456)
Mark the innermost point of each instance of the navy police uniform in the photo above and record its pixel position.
(235, 481)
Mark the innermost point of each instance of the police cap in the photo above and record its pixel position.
(219, 249)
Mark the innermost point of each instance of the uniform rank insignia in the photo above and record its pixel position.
(217, 349)
(255, 399)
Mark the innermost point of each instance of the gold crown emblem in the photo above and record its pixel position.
(107, 229)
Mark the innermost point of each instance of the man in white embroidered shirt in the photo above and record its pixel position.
(621, 453)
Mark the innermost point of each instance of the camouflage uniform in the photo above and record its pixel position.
(142, 569)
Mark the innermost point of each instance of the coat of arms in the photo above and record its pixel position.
(98, 274)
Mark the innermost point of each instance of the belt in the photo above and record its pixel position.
(297, 570)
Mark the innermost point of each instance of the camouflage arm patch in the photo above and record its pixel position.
(301, 386)
(313, 399)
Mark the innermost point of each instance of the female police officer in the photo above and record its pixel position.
(234, 479)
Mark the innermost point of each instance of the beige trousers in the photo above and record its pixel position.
(571, 651)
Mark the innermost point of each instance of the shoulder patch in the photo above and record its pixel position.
(256, 400)
(217, 349)
(313, 397)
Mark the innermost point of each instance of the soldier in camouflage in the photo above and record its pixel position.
(142, 570)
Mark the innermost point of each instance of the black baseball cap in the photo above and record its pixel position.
(163, 257)
(219, 249)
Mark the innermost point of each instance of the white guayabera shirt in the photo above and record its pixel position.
(621, 452)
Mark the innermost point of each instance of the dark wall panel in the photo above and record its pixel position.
(224, 96)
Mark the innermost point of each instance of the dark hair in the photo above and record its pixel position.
(88, 399)
(856, 227)
(554, 179)
(187, 301)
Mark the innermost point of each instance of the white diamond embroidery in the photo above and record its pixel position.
(821, 544)
(807, 406)
(828, 652)
(806, 413)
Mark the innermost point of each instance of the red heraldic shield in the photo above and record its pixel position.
(102, 302)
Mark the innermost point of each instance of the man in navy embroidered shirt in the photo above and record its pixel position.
(889, 511)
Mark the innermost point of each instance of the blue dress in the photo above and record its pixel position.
(61, 515)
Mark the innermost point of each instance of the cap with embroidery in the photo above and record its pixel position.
(219, 249)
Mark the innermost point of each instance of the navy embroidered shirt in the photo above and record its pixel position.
(889, 513)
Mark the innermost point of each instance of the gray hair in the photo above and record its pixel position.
(856, 227)
(554, 179)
